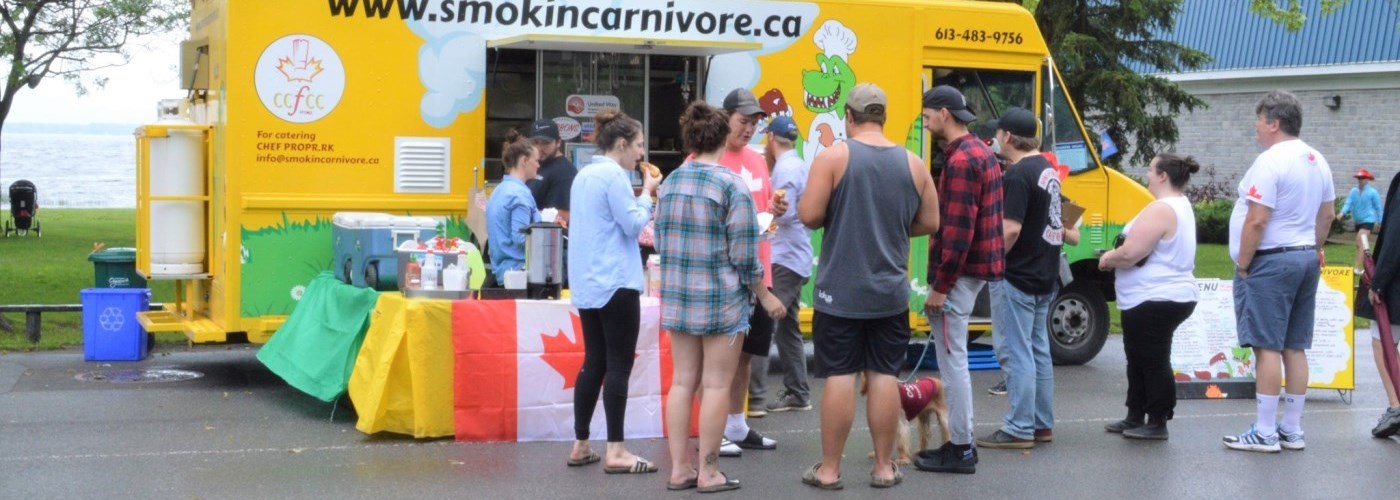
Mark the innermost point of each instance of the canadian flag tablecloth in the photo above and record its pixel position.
(514, 368)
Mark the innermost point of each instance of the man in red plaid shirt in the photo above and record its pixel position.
(965, 255)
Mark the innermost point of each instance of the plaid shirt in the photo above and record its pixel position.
(707, 234)
(969, 241)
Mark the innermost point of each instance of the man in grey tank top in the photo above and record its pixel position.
(871, 195)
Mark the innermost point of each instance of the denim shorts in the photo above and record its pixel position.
(1274, 306)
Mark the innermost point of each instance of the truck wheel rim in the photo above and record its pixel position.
(1069, 322)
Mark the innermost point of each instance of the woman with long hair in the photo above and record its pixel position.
(605, 278)
(707, 234)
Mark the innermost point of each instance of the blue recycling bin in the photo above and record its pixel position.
(110, 329)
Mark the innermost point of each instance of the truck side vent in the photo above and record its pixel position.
(422, 164)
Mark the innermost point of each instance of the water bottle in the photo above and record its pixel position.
(429, 272)
(654, 276)
(412, 274)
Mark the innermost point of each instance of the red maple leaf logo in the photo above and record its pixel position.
(1312, 158)
(563, 354)
(1254, 193)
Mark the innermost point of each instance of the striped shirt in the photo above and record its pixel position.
(707, 234)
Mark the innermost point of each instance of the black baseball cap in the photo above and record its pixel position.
(946, 97)
(743, 101)
(1019, 122)
(544, 129)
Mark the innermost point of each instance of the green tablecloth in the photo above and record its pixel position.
(315, 349)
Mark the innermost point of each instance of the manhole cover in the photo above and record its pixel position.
(139, 376)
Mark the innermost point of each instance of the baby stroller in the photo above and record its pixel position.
(24, 209)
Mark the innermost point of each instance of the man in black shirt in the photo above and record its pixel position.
(555, 178)
(1021, 302)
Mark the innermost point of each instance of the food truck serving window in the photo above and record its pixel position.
(533, 78)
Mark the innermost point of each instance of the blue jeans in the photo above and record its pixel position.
(1022, 341)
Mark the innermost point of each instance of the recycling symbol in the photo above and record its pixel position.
(112, 319)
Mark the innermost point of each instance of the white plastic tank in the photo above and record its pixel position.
(177, 169)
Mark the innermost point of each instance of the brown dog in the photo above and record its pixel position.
(923, 400)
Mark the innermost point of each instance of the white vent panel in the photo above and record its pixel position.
(422, 165)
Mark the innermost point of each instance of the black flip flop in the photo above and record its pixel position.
(728, 484)
(754, 441)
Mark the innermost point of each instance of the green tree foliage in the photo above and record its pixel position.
(1291, 15)
(1093, 41)
(40, 39)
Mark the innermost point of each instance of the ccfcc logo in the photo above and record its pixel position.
(299, 78)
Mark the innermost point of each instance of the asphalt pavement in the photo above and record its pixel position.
(240, 432)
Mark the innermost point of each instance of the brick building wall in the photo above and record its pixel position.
(1363, 132)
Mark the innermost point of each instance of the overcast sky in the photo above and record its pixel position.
(129, 98)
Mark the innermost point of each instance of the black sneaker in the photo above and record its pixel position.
(999, 389)
(1156, 431)
(948, 458)
(1122, 425)
(1388, 424)
(788, 401)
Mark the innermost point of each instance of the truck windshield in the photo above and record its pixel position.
(989, 93)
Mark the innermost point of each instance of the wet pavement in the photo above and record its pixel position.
(240, 432)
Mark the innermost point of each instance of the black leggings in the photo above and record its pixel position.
(1147, 341)
(609, 347)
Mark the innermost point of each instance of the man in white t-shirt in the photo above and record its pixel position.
(1277, 230)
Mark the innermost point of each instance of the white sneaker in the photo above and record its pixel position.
(1253, 441)
(1290, 441)
(727, 448)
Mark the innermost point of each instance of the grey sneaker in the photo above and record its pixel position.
(1253, 441)
(788, 401)
(999, 389)
(1388, 425)
(1293, 441)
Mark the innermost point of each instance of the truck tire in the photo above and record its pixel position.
(1078, 323)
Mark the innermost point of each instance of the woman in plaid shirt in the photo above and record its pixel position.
(707, 234)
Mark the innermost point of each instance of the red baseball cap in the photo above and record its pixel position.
(1364, 174)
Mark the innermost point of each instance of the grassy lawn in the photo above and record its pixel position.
(52, 270)
(1213, 261)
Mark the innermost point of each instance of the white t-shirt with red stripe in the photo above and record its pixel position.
(1293, 180)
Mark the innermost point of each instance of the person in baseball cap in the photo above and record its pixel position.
(1363, 207)
(946, 97)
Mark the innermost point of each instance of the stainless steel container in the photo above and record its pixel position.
(544, 260)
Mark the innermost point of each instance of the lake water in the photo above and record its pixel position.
(72, 170)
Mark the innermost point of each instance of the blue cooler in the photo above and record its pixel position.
(110, 329)
(365, 244)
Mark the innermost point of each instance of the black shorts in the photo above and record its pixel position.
(1365, 225)
(760, 336)
(844, 346)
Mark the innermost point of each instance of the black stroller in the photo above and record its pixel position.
(24, 210)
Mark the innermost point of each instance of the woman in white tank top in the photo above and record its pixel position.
(1156, 293)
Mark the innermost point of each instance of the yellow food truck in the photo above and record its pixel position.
(298, 110)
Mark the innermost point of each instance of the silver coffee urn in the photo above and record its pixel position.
(544, 260)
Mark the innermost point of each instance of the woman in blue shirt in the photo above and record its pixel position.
(605, 280)
(1363, 205)
(512, 206)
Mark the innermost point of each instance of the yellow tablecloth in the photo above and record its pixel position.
(402, 381)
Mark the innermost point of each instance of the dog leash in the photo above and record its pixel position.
(928, 342)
